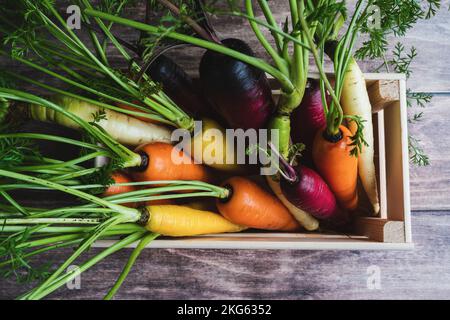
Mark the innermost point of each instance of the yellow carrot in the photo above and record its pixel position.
(211, 147)
(179, 221)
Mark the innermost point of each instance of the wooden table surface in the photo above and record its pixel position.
(270, 274)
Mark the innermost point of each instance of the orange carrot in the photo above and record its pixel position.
(337, 167)
(250, 205)
(165, 162)
(114, 189)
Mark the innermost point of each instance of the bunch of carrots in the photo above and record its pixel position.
(124, 182)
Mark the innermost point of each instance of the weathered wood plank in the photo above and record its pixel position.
(430, 186)
(269, 274)
(207, 274)
(430, 37)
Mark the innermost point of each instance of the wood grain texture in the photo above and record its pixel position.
(382, 93)
(430, 37)
(270, 274)
(228, 274)
(430, 186)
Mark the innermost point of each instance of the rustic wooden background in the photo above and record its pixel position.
(269, 274)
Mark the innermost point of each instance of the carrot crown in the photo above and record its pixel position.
(29, 26)
(327, 30)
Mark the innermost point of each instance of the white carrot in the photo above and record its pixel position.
(125, 129)
(355, 102)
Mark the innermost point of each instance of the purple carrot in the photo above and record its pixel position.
(240, 93)
(307, 119)
(178, 86)
(306, 189)
(310, 193)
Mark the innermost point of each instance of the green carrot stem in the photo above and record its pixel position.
(333, 129)
(164, 197)
(167, 109)
(132, 214)
(40, 224)
(31, 221)
(39, 251)
(40, 171)
(282, 123)
(164, 100)
(49, 288)
(47, 240)
(69, 210)
(343, 54)
(63, 234)
(148, 113)
(126, 270)
(164, 106)
(50, 43)
(62, 231)
(168, 113)
(109, 26)
(193, 183)
(298, 53)
(68, 81)
(43, 171)
(89, 54)
(72, 234)
(294, 12)
(60, 77)
(67, 179)
(108, 33)
(76, 75)
(271, 21)
(34, 294)
(279, 61)
(68, 56)
(60, 178)
(286, 36)
(41, 136)
(101, 53)
(286, 83)
(14, 203)
(168, 189)
(12, 209)
(60, 34)
(63, 165)
(48, 161)
(130, 158)
(171, 185)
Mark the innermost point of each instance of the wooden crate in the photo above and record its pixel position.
(391, 230)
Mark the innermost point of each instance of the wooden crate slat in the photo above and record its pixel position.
(382, 93)
(381, 230)
(390, 231)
